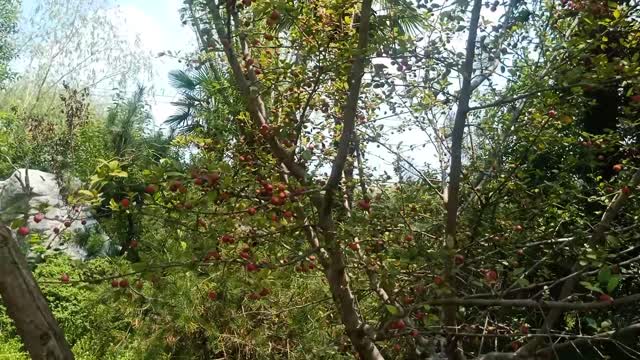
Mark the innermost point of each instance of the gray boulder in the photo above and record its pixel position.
(28, 192)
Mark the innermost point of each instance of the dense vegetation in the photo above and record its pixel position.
(383, 179)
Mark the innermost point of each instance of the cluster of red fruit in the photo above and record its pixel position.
(259, 294)
(122, 283)
(37, 218)
(273, 19)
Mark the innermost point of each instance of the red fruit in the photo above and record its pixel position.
(264, 129)
(274, 217)
(268, 188)
(124, 283)
(212, 255)
(409, 237)
(64, 278)
(125, 203)
(398, 324)
(212, 295)
(150, 189)
(245, 255)
(552, 113)
(175, 186)
(524, 329)
(276, 200)
(38, 217)
(606, 298)
(133, 244)
(626, 190)
(83, 222)
(491, 276)
(252, 267)
(252, 211)
(438, 280)
(23, 231)
(458, 259)
(115, 283)
(227, 239)
(364, 204)
(518, 228)
(354, 246)
(397, 347)
(288, 214)
(312, 266)
(275, 15)
(617, 167)
(282, 187)
(213, 178)
(635, 98)
(414, 333)
(265, 292)
(198, 181)
(312, 257)
(407, 300)
(282, 195)
(67, 223)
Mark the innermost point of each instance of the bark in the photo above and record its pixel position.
(452, 198)
(26, 305)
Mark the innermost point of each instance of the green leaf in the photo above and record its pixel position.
(590, 322)
(613, 283)
(591, 287)
(616, 13)
(119, 173)
(604, 275)
(392, 310)
(17, 223)
(86, 193)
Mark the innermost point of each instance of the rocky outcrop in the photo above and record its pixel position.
(29, 192)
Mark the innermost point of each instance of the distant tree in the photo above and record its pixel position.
(8, 18)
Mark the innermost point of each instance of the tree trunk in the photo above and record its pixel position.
(26, 305)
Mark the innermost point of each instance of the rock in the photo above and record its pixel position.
(16, 201)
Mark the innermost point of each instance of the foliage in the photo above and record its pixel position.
(8, 18)
(266, 226)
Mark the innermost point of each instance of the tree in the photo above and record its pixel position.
(8, 18)
(76, 42)
(517, 240)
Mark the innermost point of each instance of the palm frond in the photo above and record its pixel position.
(180, 80)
